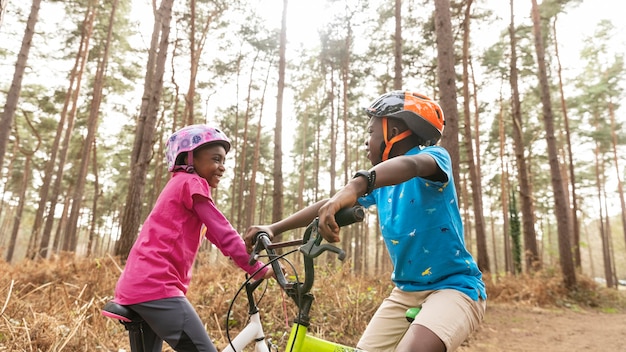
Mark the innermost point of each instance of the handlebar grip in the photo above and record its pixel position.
(347, 216)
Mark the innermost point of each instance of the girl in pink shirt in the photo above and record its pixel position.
(158, 271)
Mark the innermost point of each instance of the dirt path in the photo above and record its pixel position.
(521, 328)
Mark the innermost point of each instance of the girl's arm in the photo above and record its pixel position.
(222, 234)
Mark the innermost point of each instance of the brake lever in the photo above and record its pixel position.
(312, 248)
(258, 247)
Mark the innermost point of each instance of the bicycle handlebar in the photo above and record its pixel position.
(310, 249)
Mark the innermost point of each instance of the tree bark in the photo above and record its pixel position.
(504, 193)
(13, 96)
(251, 207)
(397, 47)
(17, 220)
(240, 177)
(94, 203)
(71, 98)
(447, 85)
(473, 167)
(570, 156)
(71, 229)
(277, 195)
(525, 187)
(560, 203)
(142, 149)
(620, 186)
(603, 221)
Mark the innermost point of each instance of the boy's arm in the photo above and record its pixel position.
(390, 172)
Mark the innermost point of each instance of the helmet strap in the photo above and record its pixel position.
(189, 165)
(390, 142)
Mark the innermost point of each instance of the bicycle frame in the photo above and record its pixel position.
(253, 331)
(299, 339)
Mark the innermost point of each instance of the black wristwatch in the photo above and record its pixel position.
(370, 176)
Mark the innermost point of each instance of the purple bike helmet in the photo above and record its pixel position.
(186, 140)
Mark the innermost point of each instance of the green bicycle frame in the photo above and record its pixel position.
(300, 341)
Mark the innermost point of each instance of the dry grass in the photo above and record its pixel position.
(54, 305)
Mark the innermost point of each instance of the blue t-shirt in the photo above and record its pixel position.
(422, 229)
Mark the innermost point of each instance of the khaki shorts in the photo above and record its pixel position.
(450, 314)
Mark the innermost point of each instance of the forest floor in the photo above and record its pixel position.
(54, 305)
(512, 327)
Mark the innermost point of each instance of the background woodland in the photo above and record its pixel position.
(89, 101)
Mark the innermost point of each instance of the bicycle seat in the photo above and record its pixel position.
(122, 313)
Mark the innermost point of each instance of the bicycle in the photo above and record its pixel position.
(299, 291)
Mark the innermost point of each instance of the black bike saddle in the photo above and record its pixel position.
(120, 312)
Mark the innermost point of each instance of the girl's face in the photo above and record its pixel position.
(209, 161)
(375, 140)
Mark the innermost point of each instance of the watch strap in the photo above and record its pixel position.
(370, 176)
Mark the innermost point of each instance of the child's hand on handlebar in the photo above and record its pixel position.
(327, 225)
(346, 197)
(251, 233)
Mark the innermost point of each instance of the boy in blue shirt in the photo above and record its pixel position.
(413, 189)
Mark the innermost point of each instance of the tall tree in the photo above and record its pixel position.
(8, 113)
(49, 166)
(145, 129)
(69, 113)
(525, 186)
(560, 202)
(277, 195)
(92, 126)
(397, 47)
(446, 76)
(196, 46)
(570, 155)
(28, 154)
(473, 164)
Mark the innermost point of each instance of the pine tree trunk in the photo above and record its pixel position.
(397, 47)
(603, 222)
(504, 193)
(620, 186)
(92, 126)
(142, 149)
(28, 154)
(526, 191)
(242, 172)
(94, 203)
(17, 219)
(71, 98)
(473, 167)
(13, 96)
(560, 203)
(333, 133)
(447, 85)
(7, 215)
(196, 49)
(277, 195)
(49, 168)
(252, 205)
(570, 157)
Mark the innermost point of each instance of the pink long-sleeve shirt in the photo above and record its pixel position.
(160, 262)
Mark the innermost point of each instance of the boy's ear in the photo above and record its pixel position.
(395, 127)
(394, 131)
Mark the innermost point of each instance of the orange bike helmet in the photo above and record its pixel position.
(421, 114)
